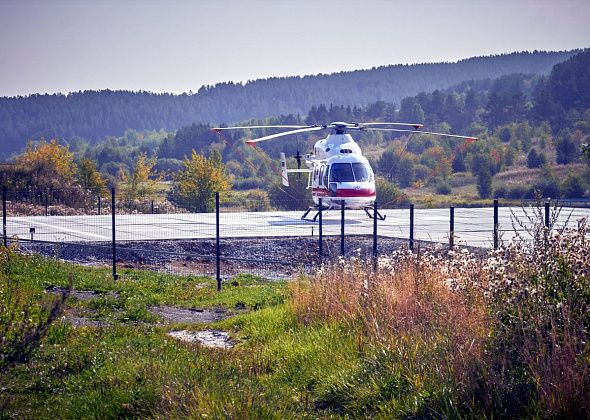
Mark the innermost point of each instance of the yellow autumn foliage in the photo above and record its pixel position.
(201, 177)
(53, 158)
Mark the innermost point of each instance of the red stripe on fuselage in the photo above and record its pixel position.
(351, 192)
(345, 192)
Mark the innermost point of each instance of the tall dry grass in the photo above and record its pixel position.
(428, 308)
(508, 331)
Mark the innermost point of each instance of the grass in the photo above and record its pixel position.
(425, 336)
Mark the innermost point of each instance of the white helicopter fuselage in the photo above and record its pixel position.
(340, 172)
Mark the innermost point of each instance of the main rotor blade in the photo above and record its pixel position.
(423, 132)
(415, 125)
(261, 126)
(285, 133)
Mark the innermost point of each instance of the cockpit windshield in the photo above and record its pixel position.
(361, 172)
(341, 172)
(346, 172)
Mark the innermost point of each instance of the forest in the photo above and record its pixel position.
(93, 115)
(533, 130)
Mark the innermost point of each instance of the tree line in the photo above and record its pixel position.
(93, 115)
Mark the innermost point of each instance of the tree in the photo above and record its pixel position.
(586, 151)
(90, 178)
(411, 111)
(566, 148)
(398, 166)
(484, 183)
(51, 158)
(138, 184)
(534, 159)
(194, 187)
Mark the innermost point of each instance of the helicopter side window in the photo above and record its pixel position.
(361, 172)
(341, 172)
(325, 177)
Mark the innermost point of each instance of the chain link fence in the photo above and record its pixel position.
(247, 236)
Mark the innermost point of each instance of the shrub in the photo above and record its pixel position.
(573, 186)
(257, 200)
(443, 187)
(294, 197)
(389, 195)
(539, 293)
(484, 184)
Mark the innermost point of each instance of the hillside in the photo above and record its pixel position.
(95, 114)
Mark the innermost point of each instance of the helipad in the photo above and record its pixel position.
(473, 226)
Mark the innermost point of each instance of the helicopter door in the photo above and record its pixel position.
(316, 173)
(325, 177)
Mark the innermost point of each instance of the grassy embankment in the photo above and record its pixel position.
(425, 336)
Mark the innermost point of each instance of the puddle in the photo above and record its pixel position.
(207, 338)
(189, 315)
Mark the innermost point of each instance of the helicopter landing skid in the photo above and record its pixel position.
(316, 207)
(370, 213)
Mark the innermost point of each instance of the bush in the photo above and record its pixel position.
(294, 197)
(573, 186)
(443, 187)
(547, 188)
(257, 200)
(539, 293)
(514, 191)
(421, 172)
(484, 184)
(249, 183)
(389, 195)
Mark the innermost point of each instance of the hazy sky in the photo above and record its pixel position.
(177, 46)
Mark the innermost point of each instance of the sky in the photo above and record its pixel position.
(178, 46)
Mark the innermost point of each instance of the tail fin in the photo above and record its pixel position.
(284, 176)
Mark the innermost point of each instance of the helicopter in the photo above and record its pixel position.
(338, 173)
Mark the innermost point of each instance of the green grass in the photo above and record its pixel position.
(129, 367)
(284, 365)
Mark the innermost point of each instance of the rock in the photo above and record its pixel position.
(206, 338)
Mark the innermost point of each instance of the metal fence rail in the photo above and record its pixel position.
(248, 236)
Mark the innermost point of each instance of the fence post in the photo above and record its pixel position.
(5, 240)
(547, 214)
(496, 233)
(99, 205)
(452, 227)
(411, 227)
(152, 206)
(217, 247)
(342, 206)
(375, 213)
(114, 241)
(321, 229)
(46, 203)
